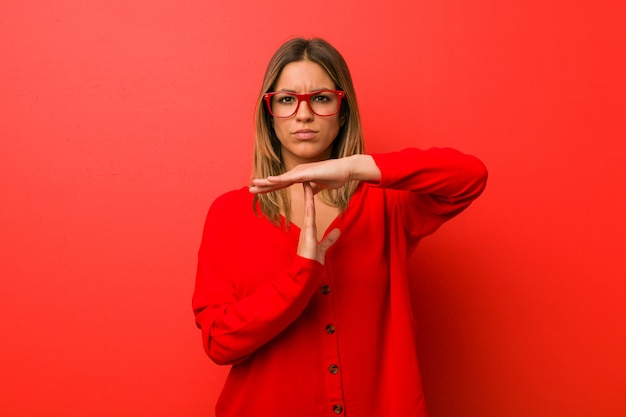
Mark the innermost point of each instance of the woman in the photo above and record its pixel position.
(302, 279)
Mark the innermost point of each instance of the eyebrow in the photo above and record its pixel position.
(286, 90)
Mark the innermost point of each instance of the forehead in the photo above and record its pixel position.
(303, 76)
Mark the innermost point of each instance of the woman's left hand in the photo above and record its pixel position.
(328, 174)
(308, 246)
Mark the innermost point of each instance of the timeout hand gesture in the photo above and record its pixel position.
(317, 176)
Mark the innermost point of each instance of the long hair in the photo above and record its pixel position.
(267, 150)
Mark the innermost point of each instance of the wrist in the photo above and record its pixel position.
(364, 168)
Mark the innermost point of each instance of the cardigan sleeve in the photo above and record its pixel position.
(432, 185)
(235, 325)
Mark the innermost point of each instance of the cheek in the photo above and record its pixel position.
(333, 127)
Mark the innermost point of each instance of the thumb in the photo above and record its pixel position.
(316, 188)
(328, 241)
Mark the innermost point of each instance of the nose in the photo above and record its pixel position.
(303, 112)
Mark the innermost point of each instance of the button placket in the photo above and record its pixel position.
(331, 349)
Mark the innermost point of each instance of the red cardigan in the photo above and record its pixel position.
(309, 340)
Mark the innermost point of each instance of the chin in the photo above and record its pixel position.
(313, 154)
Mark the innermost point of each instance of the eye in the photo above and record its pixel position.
(322, 98)
(284, 99)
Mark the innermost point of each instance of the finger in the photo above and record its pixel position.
(262, 190)
(328, 241)
(315, 187)
(261, 182)
(263, 185)
(309, 207)
(299, 174)
(269, 184)
(307, 245)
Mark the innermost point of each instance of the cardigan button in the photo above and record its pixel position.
(330, 329)
(325, 289)
(333, 369)
(338, 409)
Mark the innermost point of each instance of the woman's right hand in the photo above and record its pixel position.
(322, 175)
(308, 247)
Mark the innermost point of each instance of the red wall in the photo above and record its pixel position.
(120, 122)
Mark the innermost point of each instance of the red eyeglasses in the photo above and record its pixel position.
(322, 103)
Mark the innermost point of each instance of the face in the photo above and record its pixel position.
(305, 136)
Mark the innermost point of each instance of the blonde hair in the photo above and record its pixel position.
(267, 150)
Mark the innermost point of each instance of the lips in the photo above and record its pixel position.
(305, 134)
